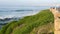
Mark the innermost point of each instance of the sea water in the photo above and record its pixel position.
(15, 12)
(9, 12)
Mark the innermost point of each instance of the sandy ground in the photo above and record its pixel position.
(56, 21)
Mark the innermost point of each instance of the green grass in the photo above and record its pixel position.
(29, 23)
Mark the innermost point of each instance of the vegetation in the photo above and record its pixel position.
(27, 24)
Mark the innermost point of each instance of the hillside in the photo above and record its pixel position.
(41, 23)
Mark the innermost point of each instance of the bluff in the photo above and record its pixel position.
(41, 23)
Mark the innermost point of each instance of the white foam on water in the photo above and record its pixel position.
(19, 14)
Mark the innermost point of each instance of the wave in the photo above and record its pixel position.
(17, 14)
(23, 10)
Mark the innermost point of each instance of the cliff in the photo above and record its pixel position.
(41, 23)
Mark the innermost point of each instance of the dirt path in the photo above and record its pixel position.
(56, 20)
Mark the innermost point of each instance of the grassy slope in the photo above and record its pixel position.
(28, 23)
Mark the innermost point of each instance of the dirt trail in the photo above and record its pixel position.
(56, 20)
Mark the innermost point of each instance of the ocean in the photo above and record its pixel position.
(9, 12)
(12, 13)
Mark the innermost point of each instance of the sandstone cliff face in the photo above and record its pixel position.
(56, 20)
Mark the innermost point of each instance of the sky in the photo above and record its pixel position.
(14, 3)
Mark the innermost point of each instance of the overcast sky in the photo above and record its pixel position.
(28, 2)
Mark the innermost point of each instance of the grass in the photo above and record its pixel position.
(29, 23)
